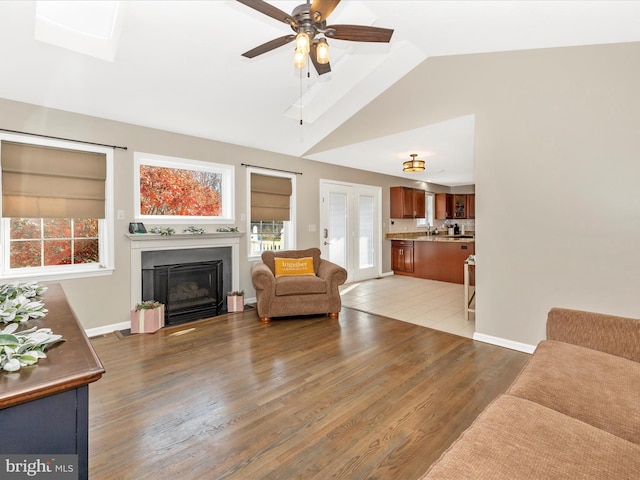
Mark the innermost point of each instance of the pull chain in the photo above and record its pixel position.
(301, 97)
(308, 77)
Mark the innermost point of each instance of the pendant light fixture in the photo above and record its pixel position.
(413, 165)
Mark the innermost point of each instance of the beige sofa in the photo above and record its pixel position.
(297, 295)
(572, 413)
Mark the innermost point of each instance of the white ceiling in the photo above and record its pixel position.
(177, 66)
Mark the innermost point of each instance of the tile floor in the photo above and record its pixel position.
(437, 305)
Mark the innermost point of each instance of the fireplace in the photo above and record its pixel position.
(151, 250)
(189, 291)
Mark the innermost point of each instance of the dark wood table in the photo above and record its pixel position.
(44, 407)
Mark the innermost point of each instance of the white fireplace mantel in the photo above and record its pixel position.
(147, 242)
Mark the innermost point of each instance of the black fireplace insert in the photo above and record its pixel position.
(189, 291)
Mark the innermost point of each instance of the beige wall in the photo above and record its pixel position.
(105, 301)
(557, 165)
(557, 168)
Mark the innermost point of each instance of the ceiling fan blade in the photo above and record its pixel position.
(270, 45)
(270, 10)
(321, 9)
(321, 68)
(359, 33)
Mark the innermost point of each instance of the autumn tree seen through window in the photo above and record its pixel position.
(45, 242)
(181, 190)
(173, 191)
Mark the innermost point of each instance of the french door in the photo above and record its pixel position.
(350, 227)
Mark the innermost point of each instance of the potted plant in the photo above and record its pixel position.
(148, 317)
(235, 301)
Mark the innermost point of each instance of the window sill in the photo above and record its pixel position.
(56, 276)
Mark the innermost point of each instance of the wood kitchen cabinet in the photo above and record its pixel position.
(407, 202)
(444, 206)
(402, 257)
(458, 206)
(443, 261)
(471, 206)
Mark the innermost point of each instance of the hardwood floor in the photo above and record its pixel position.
(362, 397)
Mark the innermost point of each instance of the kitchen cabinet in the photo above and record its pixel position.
(407, 202)
(443, 261)
(402, 257)
(471, 206)
(459, 206)
(455, 206)
(444, 206)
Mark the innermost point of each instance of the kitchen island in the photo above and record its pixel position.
(434, 257)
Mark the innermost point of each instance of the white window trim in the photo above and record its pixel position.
(290, 226)
(228, 188)
(105, 226)
(429, 219)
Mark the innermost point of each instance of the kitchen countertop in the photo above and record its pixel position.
(421, 237)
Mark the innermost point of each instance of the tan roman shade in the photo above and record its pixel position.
(46, 182)
(270, 198)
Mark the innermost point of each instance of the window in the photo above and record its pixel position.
(177, 190)
(429, 219)
(57, 212)
(271, 201)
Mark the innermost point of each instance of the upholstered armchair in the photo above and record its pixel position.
(282, 293)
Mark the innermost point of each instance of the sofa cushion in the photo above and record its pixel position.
(294, 266)
(515, 439)
(300, 285)
(269, 256)
(600, 389)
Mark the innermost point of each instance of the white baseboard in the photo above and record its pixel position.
(95, 332)
(503, 342)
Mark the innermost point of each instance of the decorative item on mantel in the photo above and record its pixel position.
(227, 229)
(167, 231)
(235, 301)
(148, 317)
(194, 230)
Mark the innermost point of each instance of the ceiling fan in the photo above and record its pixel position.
(309, 22)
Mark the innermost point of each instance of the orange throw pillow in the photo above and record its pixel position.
(294, 266)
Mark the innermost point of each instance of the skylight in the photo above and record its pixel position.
(88, 27)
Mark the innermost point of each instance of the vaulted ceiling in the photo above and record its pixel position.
(177, 66)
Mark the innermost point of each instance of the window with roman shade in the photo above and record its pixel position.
(270, 198)
(57, 208)
(45, 182)
(272, 218)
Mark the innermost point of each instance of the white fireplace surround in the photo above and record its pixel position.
(147, 242)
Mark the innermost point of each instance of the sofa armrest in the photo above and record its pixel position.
(332, 273)
(263, 278)
(607, 333)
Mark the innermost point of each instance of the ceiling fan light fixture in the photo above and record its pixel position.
(299, 59)
(322, 52)
(303, 43)
(413, 165)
